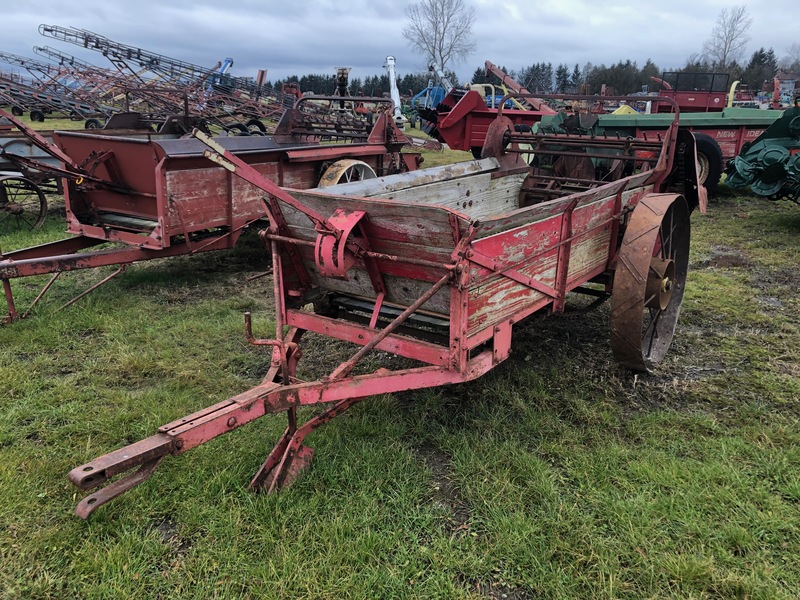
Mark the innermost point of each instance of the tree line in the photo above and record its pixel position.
(373, 85)
(624, 77)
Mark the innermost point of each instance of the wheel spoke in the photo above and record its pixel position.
(671, 232)
(651, 331)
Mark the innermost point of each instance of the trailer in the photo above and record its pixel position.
(153, 195)
(30, 170)
(442, 266)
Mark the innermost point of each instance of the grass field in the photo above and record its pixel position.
(557, 475)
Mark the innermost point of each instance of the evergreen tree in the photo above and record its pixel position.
(562, 78)
(763, 66)
(575, 78)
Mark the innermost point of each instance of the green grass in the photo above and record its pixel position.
(557, 475)
(50, 122)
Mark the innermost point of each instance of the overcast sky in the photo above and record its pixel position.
(298, 37)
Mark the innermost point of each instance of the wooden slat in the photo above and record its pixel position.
(386, 186)
(545, 210)
(494, 298)
(408, 223)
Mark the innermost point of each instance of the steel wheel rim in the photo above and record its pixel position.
(346, 171)
(22, 204)
(705, 167)
(656, 245)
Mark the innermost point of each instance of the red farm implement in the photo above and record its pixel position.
(462, 118)
(155, 196)
(219, 99)
(441, 266)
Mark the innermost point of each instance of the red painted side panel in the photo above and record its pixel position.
(532, 250)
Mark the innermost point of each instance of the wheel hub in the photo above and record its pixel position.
(14, 209)
(705, 167)
(660, 283)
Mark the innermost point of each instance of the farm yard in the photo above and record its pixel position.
(557, 474)
(494, 265)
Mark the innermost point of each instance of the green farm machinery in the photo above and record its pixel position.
(770, 165)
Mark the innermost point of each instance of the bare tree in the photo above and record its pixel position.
(729, 36)
(441, 30)
(791, 62)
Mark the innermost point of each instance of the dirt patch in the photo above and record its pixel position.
(769, 301)
(445, 492)
(168, 531)
(765, 278)
(722, 257)
(497, 591)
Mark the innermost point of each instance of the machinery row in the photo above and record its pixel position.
(151, 84)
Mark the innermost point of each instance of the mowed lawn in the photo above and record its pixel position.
(557, 475)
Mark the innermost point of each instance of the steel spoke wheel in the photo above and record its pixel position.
(649, 281)
(345, 171)
(22, 204)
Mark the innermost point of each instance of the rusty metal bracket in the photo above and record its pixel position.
(332, 253)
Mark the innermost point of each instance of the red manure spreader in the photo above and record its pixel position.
(439, 265)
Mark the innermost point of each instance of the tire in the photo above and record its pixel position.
(255, 124)
(37, 116)
(17, 111)
(92, 124)
(709, 157)
(237, 129)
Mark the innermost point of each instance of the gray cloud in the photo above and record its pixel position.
(314, 36)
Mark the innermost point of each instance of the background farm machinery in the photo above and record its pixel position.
(439, 266)
(155, 195)
(235, 104)
(462, 116)
(151, 84)
(770, 164)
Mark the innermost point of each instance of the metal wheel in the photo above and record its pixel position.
(345, 171)
(237, 129)
(703, 165)
(254, 125)
(649, 281)
(22, 204)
